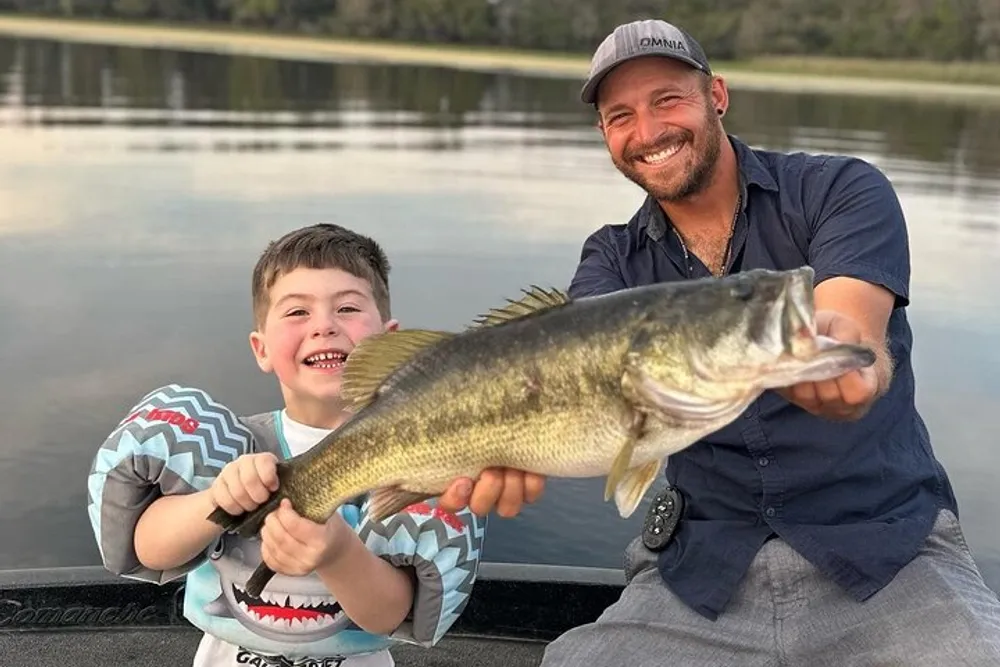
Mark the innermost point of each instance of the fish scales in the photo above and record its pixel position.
(558, 385)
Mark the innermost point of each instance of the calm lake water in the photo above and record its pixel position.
(137, 188)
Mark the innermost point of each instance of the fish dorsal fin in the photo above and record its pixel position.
(535, 300)
(377, 356)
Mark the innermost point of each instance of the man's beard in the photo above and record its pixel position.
(699, 174)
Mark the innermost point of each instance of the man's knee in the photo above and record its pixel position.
(944, 612)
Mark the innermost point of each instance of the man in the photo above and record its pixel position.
(818, 528)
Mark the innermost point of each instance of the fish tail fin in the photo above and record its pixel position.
(258, 580)
(248, 524)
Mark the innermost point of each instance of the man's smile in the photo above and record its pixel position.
(661, 156)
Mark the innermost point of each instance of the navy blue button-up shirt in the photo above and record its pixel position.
(857, 499)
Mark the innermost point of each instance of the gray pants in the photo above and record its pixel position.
(937, 612)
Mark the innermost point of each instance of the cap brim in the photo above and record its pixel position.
(588, 95)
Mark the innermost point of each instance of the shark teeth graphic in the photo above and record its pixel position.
(289, 613)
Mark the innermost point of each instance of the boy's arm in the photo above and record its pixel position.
(174, 530)
(374, 594)
(172, 444)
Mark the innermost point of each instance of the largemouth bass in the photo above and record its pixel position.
(607, 385)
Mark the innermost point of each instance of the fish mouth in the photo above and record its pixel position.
(798, 316)
(807, 356)
(787, 350)
(289, 613)
(329, 359)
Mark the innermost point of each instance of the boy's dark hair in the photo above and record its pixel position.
(321, 246)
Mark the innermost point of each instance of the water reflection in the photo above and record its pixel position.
(77, 84)
(137, 187)
(64, 76)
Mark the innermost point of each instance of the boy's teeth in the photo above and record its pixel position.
(325, 356)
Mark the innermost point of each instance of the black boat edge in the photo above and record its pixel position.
(79, 608)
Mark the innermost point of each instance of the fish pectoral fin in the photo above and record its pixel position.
(623, 459)
(390, 500)
(673, 405)
(535, 300)
(633, 486)
(376, 357)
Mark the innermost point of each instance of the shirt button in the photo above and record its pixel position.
(769, 511)
(762, 461)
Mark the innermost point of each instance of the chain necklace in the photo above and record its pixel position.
(729, 241)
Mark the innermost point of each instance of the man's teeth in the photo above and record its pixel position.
(662, 156)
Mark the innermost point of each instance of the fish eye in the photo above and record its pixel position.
(742, 290)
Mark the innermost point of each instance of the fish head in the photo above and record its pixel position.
(779, 318)
(783, 347)
(715, 345)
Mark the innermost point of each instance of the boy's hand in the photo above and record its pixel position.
(244, 484)
(506, 488)
(295, 546)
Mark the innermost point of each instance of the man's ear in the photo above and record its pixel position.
(390, 325)
(259, 349)
(720, 95)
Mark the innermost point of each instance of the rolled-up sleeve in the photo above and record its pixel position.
(598, 271)
(858, 229)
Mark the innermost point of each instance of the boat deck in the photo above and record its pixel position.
(176, 646)
(85, 617)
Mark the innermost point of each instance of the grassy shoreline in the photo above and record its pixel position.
(977, 81)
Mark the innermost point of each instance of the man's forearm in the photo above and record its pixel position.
(373, 593)
(175, 529)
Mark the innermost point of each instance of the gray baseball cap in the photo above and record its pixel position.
(642, 38)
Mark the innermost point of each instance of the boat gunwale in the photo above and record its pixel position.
(509, 601)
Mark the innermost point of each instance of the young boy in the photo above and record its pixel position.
(343, 591)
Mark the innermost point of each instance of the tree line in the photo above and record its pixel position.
(937, 30)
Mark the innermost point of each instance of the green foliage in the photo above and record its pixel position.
(932, 30)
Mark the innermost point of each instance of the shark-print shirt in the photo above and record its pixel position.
(175, 440)
(291, 609)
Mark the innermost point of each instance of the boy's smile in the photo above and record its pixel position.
(315, 319)
(330, 359)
